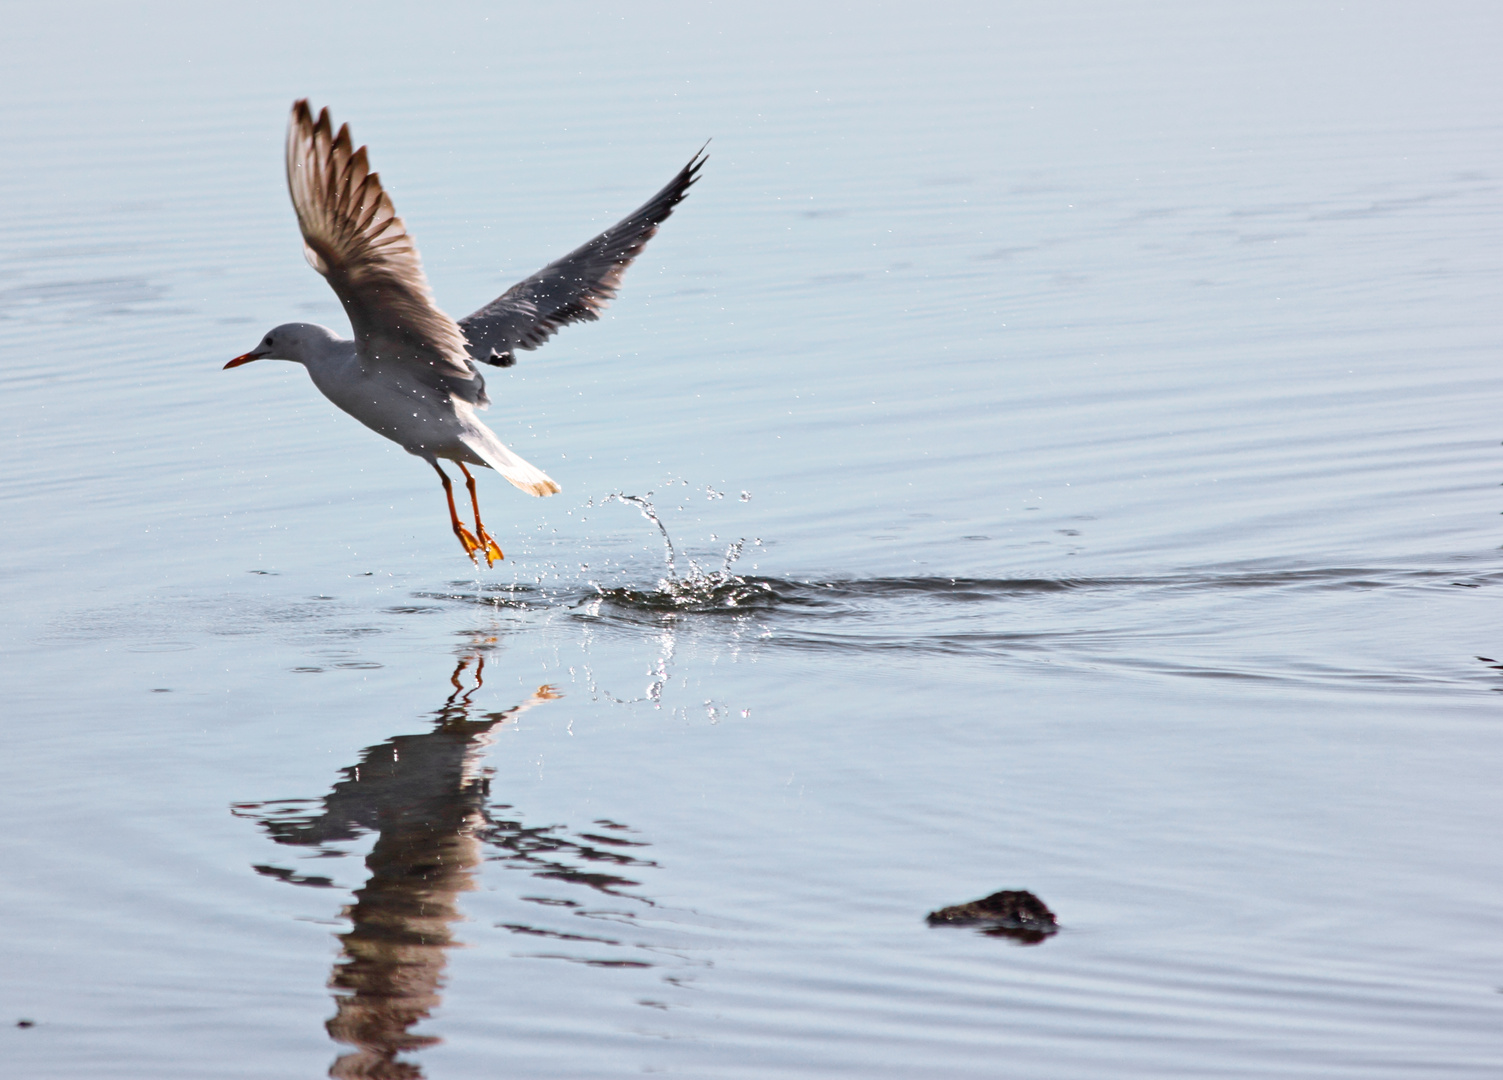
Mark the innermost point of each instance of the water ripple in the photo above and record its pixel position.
(722, 592)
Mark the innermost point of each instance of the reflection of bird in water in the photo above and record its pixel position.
(410, 373)
(429, 809)
(424, 795)
(426, 798)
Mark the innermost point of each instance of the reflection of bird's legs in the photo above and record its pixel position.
(458, 684)
(491, 549)
(457, 708)
(467, 538)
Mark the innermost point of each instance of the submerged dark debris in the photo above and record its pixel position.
(1014, 914)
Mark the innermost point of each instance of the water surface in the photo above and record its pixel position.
(1077, 433)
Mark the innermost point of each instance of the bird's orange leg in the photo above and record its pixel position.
(491, 549)
(466, 538)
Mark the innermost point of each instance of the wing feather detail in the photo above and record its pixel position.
(574, 288)
(354, 238)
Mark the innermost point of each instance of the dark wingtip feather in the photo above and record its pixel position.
(576, 287)
(687, 177)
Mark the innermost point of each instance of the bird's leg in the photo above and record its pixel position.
(466, 538)
(489, 546)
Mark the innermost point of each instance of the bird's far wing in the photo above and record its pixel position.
(353, 237)
(574, 288)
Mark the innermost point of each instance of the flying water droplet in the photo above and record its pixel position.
(643, 504)
(696, 589)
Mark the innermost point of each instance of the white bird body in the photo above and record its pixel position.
(411, 373)
(393, 401)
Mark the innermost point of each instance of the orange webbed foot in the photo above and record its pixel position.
(469, 543)
(491, 549)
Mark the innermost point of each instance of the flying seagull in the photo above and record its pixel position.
(411, 371)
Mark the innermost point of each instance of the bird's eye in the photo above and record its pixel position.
(268, 339)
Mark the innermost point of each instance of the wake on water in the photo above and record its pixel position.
(722, 590)
(697, 590)
(1092, 621)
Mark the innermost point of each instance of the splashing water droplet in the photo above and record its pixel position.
(643, 504)
(696, 589)
(732, 553)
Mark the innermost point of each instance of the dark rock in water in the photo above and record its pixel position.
(1010, 914)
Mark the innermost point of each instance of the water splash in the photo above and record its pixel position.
(642, 503)
(696, 590)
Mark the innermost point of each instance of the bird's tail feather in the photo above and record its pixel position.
(529, 478)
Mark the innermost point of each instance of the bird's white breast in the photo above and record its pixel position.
(419, 418)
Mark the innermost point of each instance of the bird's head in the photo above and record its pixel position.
(298, 342)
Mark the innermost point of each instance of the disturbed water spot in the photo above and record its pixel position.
(559, 935)
(292, 877)
(586, 960)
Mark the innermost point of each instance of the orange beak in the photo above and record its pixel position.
(245, 359)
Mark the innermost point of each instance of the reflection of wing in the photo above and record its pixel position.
(353, 237)
(574, 288)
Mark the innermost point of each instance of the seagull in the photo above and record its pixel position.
(411, 372)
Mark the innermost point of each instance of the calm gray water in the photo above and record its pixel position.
(1108, 399)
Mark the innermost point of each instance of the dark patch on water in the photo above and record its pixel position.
(585, 960)
(1014, 914)
(292, 877)
(559, 935)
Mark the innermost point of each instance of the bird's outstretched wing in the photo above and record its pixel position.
(353, 237)
(574, 288)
